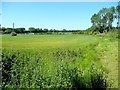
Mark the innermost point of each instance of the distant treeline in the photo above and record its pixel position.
(33, 30)
(101, 23)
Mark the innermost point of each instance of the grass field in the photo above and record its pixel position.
(46, 41)
(54, 61)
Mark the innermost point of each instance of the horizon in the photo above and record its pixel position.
(51, 15)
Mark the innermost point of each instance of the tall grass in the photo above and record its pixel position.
(70, 68)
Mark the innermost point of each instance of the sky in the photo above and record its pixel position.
(51, 15)
(59, 0)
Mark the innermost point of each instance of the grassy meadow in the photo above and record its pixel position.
(59, 61)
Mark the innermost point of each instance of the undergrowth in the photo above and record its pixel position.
(76, 68)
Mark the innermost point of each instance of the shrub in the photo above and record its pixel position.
(13, 33)
(22, 69)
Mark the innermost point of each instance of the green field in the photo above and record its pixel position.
(55, 61)
(46, 41)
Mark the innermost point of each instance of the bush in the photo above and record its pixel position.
(21, 69)
(13, 33)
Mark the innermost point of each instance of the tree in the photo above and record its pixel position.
(45, 30)
(51, 30)
(32, 29)
(8, 30)
(96, 19)
(110, 16)
(64, 30)
(118, 15)
(40, 30)
(103, 19)
(19, 30)
(3, 29)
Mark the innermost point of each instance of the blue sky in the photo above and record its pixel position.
(51, 15)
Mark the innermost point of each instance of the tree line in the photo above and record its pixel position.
(103, 20)
(101, 23)
(32, 30)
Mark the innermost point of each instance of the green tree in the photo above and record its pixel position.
(19, 30)
(3, 29)
(103, 19)
(118, 15)
(8, 30)
(45, 30)
(32, 29)
(64, 30)
(40, 30)
(110, 16)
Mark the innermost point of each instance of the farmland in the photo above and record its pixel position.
(59, 61)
